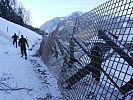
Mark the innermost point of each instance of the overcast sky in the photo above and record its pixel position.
(44, 10)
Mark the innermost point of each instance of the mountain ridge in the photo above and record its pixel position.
(51, 25)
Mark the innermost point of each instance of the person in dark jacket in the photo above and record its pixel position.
(22, 43)
(15, 37)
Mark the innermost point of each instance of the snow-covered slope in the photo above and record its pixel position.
(19, 78)
(9, 28)
(51, 25)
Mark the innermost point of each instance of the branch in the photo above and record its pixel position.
(16, 89)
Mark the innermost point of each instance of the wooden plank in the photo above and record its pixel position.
(118, 49)
(82, 46)
(127, 87)
(78, 76)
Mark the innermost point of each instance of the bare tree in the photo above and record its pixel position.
(27, 17)
(14, 12)
(20, 10)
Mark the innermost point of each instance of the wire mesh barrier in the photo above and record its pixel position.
(96, 62)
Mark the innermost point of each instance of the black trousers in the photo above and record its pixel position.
(15, 42)
(23, 51)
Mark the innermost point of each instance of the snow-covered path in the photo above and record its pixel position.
(19, 79)
(20, 73)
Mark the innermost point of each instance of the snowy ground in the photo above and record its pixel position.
(22, 79)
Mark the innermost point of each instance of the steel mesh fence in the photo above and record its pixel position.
(97, 61)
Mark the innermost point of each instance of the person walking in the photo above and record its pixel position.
(22, 43)
(15, 37)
